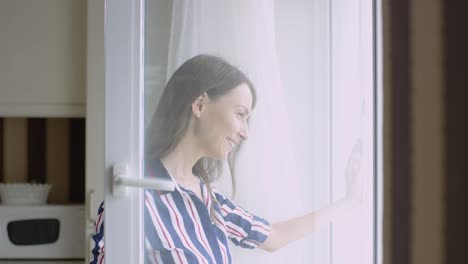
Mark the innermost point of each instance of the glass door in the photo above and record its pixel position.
(311, 64)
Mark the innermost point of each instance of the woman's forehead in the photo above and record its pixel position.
(240, 95)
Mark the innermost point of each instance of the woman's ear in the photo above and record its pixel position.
(199, 105)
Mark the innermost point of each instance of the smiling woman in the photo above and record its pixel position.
(201, 119)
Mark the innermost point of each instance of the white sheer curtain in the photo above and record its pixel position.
(311, 63)
(243, 32)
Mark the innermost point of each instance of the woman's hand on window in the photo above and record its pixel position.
(354, 182)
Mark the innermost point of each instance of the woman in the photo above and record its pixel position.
(201, 120)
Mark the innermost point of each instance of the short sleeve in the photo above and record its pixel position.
(98, 237)
(243, 228)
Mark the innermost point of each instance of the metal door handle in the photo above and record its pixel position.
(120, 182)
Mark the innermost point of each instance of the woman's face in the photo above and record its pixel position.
(222, 123)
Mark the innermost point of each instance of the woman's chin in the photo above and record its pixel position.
(220, 152)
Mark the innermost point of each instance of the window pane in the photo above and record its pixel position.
(311, 65)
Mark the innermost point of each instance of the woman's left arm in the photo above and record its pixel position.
(282, 233)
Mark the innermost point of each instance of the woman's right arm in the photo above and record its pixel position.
(282, 233)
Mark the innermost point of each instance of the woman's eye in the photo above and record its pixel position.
(241, 115)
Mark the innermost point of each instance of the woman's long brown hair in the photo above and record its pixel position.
(201, 74)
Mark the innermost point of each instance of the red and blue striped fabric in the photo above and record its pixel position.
(179, 227)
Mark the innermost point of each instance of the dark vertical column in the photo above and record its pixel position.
(456, 129)
(2, 171)
(77, 160)
(36, 150)
(401, 131)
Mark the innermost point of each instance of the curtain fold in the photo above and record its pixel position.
(243, 32)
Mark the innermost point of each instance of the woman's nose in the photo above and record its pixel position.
(244, 133)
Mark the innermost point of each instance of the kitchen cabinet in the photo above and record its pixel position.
(52, 65)
(51, 54)
(43, 58)
(42, 262)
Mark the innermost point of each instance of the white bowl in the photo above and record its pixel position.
(24, 193)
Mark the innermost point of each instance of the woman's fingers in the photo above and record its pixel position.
(352, 169)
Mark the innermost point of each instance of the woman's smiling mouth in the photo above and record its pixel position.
(232, 143)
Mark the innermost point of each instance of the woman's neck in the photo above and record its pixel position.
(180, 161)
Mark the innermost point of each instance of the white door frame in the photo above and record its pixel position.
(123, 127)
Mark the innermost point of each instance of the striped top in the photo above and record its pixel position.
(179, 227)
